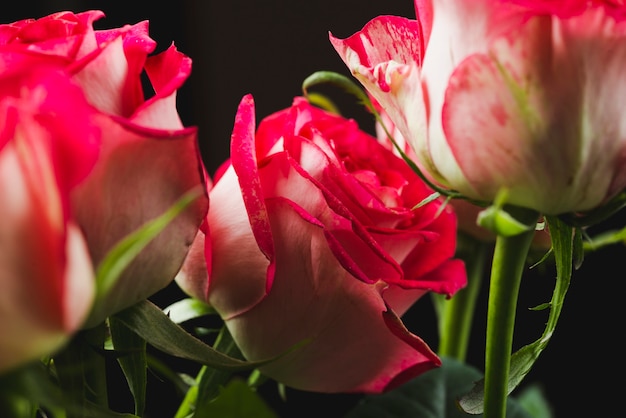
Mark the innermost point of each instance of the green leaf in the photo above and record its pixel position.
(81, 370)
(32, 391)
(154, 326)
(431, 395)
(187, 309)
(28, 388)
(562, 236)
(533, 399)
(182, 382)
(237, 400)
(131, 351)
(120, 256)
(212, 380)
(605, 238)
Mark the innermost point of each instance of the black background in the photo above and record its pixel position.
(267, 48)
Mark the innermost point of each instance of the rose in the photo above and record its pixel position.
(312, 236)
(466, 212)
(522, 95)
(148, 159)
(48, 144)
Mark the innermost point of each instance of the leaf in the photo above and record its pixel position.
(131, 350)
(237, 400)
(120, 256)
(182, 382)
(606, 238)
(154, 326)
(80, 368)
(187, 309)
(30, 387)
(212, 380)
(562, 236)
(431, 395)
(534, 401)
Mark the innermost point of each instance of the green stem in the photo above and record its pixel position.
(457, 313)
(508, 265)
(187, 406)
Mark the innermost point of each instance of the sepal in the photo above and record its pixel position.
(506, 220)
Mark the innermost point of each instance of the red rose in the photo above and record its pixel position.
(313, 235)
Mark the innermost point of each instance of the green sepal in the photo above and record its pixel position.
(339, 80)
(599, 214)
(432, 197)
(323, 102)
(506, 221)
(562, 236)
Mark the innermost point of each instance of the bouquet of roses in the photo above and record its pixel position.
(498, 143)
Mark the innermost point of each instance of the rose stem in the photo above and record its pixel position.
(507, 267)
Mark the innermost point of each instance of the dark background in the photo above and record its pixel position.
(267, 48)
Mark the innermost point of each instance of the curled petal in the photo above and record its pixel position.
(360, 349)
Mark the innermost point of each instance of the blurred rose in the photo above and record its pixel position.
(148, 158)
(48, 144)
(313, 236)
(523, 95)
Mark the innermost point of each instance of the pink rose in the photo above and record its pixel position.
(523, 95)
(148, 158)
(48, 144)
(466, 211)
(313, 236)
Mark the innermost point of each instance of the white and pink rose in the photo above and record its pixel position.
(521, 95)
(313, 235)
